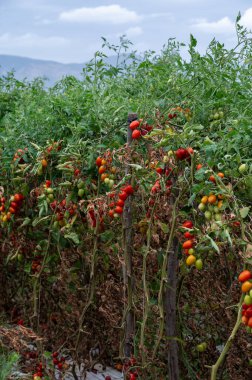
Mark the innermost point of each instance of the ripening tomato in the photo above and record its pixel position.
(12, 210)
(245, 276)
(199, 166)
(44, 163)
(188, 224)
(102, 169)
(111, 213)
(246, 286)
(98, 161)
(190, 260)
(249, 324)
(221, 175)
(136, 134)
(188, 244)
(245, 320)
(204, 199)
(134, 124)
(212, 199)
(18, 197)
(190, 151)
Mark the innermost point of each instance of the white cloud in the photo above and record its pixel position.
(246, 19)
(28, 40)
(114, 14)
(134, 31)
(222, 26)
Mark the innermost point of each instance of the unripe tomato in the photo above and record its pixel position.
(201, 207)
(201, 347)
(245, 276)
(217, 217)
(199, 264)
(136, 134)
(106, 180)
(116, 215)
(165, 159)
(98, 161)
(190, 260)
(208, 215)
(246, 286)
(247, 300)
(204, 199)
(243, 168)
(111, 183)
(81, 192)
(134, 124)
(191, 251)
(188, 244)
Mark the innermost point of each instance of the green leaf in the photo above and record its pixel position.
(164, 227)
(73, 236)
(213, 244)
(244, 212)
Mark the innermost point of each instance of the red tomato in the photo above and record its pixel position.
(123, 195)
(199, 166)
(120, 203)
(188, 224)
(188, 235)
(134, 124)
(159, 170)
(118, 210)
(249, 322)
(14, 204)
(188, 244)
(212, 178)
(129, 190)
(98, 161)
(136, 134)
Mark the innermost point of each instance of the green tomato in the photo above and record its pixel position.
(247, 300)
(81, 192)
(199, 264)
(201, 347)
(208, 215)
(217, 217)
(250, 361)
(201, 207)
(51, 197)
(216, 210)
(20, 257)
(243, 168)
(49, 190)
(221, 113)
(111, 183)
(106, 180)
(81, 185)
(250, 293)
(165, 159)
(216, 116)
(191, 251)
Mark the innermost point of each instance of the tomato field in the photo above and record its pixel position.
(125, 225)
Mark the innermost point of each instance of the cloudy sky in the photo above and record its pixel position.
(70, 30)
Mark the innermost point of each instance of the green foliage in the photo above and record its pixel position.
(8, 363)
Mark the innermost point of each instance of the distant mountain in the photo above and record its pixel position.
(30, 68)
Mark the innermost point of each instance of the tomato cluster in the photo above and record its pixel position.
(184, 153)
(139, 128)
(58, 361)
(106, 170)
(245, 278)
(18, 156)
(116, 207)
(39, 374)
(14, 205)
(189, 244)
(211, 206)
